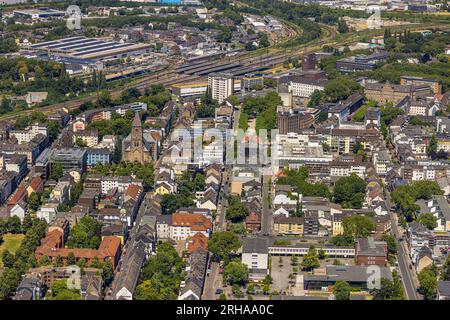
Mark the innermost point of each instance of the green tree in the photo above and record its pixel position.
(81, 143)
(235, 272)
(432, 148)
(14, 225)
(357, 226)
(428, 283)
(321, 254)
(27, 222)
(268, 280)
(223, 244)
(86, 234)
(152, 290)
(243, 121)
(341, 88)
(310, 260)
(107, 272)
(391, 243)
(172, 202)
(445, 275)
(341, 290)
(59, 291)
(71, 260)
(57, 171)
(406, 196)
(251, 288)
(389, 290)
(44, 261)
(237, 212)
(34, 201)
(237, 292)
(428, 220)
(59, 262)
(316, 98)
(24, 256)
(7, 259)
(342, 240)
(350, 191)
(342, 26)
(161, 275)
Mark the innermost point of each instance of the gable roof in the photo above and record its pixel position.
(195, 221)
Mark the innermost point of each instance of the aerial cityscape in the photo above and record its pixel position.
(264, 150)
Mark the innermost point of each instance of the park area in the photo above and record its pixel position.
(11, 242)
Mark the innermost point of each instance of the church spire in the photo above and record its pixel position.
(136, 121)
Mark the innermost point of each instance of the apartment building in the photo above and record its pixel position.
(221, 86)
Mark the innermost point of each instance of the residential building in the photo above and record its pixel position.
(221, 86)
(288, 225)
(24, 136)
(88, 137)
(443, 290)
(95, 156)
(187, 225)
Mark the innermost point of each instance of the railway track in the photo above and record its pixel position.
(169, 76)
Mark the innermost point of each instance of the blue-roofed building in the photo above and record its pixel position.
(94, 156)
(170, 1)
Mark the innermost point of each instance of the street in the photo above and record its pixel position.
(408, 276)
(265, 216)
(213, 280)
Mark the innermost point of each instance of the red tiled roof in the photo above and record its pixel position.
(199, 240)
(133, 191)
(36, 183)
(196, 221)
(52, 239)
(109, 246)
(20, 194)
(156, 135)
(253, 218)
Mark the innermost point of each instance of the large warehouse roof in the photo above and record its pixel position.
(89, 48)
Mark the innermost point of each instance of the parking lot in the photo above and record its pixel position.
(280, 272)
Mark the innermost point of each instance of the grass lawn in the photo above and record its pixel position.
(11, 242)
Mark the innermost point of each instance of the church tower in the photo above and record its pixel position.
(136, 142)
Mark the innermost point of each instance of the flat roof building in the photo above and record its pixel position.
(356, 276)
(91, 48)
(70, 158)
(38, 13)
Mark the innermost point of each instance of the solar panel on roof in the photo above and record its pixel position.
(41, 44)
(103, 49)
(81, 45)
(73, 43)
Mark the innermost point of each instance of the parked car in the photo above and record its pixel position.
(219, 291)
